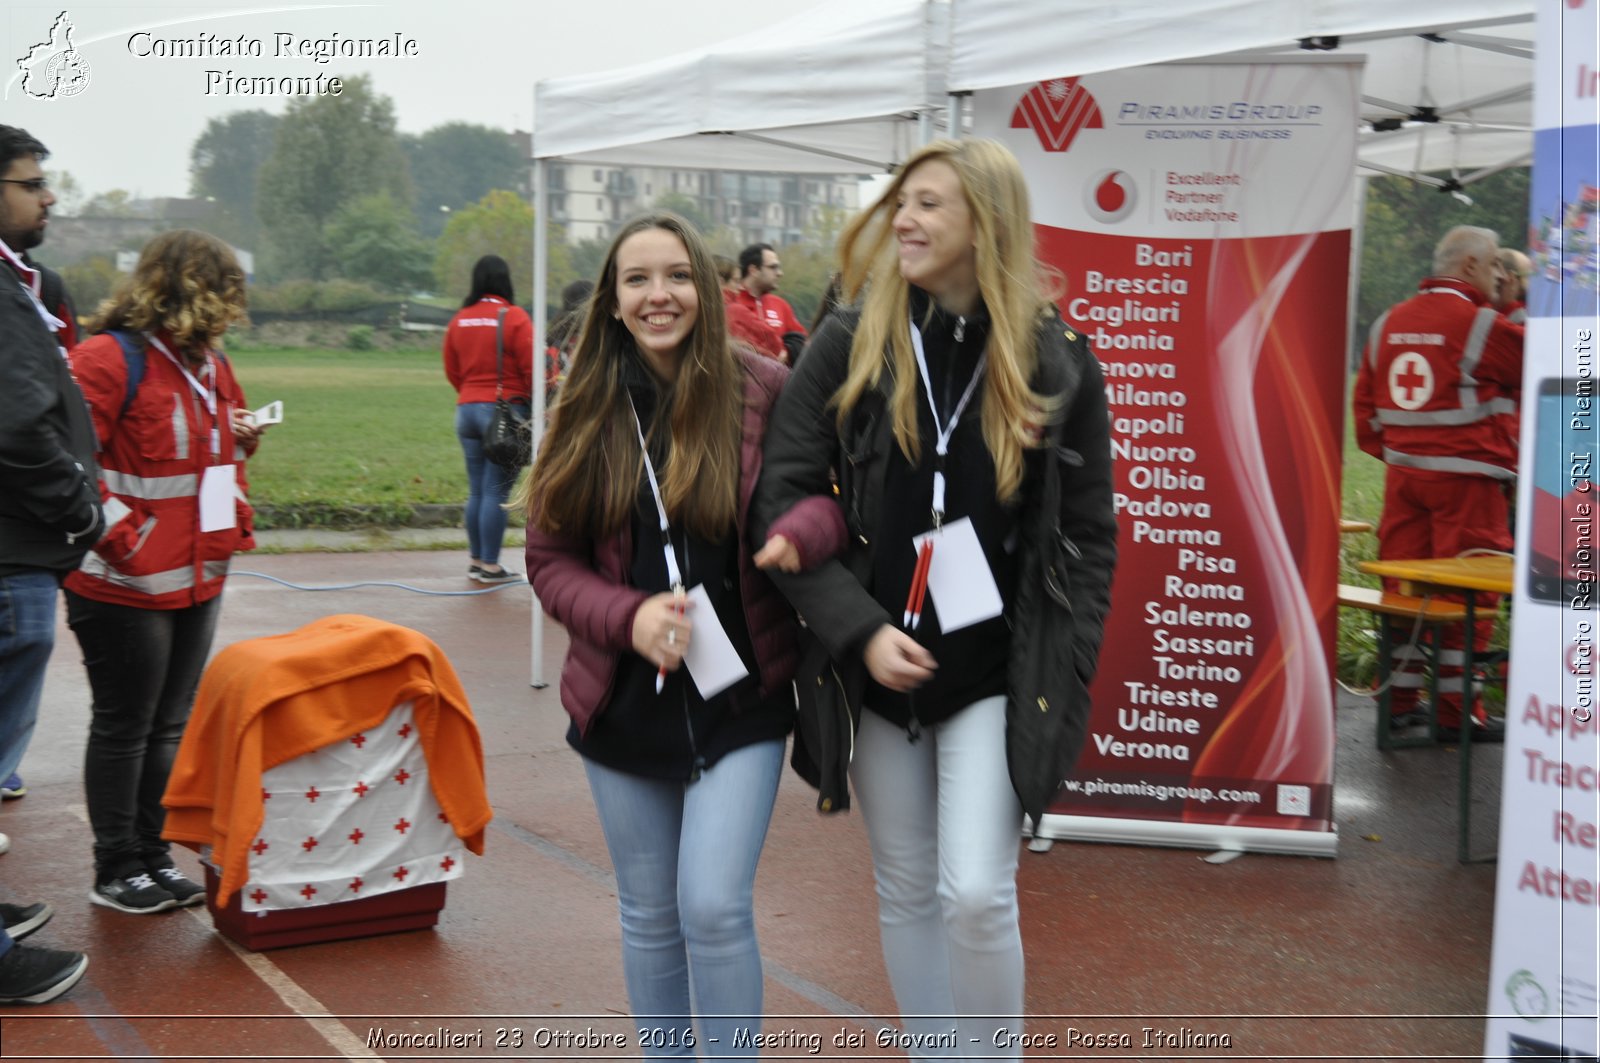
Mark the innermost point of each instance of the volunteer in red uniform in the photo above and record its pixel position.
(759, 274)
(1436, 399)
(1513, 298)
(174, 432)
(489, 321)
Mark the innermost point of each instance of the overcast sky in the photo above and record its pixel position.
(132, 124)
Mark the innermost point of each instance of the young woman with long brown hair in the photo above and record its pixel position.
(638, 504)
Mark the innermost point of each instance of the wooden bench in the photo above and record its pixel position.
(1429, 611)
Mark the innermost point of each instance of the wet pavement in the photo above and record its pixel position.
(1132, 952)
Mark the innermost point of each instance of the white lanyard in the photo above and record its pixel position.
(33, 280)
(208, 394)
(941, 445)
(667, 549)
(1448, 291)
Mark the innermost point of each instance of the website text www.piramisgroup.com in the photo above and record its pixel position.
(1161, 791)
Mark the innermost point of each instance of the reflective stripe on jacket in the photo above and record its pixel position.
(155, 448)
(1439, 384)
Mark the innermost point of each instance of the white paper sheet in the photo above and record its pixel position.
(959, 578)
(217, 494)
(713, 663)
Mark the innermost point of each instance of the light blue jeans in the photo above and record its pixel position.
(685, 858)
(945, 827)
(488, 484)
(27, 634)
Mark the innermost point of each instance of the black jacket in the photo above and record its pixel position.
(49, 500)
(833, 600)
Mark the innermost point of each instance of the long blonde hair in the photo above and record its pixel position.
(187, 283)
(586, 477)
(1012, 282)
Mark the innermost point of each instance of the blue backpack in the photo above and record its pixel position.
(132, 346)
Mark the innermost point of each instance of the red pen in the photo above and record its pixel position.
(922, 591)
(677, 611)
(919, 585)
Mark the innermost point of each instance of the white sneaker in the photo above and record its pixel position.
(5, 843)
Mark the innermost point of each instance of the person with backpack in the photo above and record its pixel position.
(174, 432)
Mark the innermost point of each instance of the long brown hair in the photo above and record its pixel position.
(585, 479)
(1013, 284)
(187, 283)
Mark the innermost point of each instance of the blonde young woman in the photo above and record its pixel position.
(174, 432)
(641, 493)
(929, 403)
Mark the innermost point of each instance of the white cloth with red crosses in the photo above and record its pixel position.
(354, 819)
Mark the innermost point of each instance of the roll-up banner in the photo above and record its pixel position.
(1545, 969)
(1201, 217)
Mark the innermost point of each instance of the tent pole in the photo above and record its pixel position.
(541, 269)
(1358, 231)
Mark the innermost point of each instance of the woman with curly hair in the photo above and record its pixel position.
(174, 432)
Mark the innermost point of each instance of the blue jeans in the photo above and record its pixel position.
(685, 858)
(27, 634)
(144, 666)
(488, 484)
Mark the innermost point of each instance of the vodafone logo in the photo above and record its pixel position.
(1056, 111)
(1110, 196)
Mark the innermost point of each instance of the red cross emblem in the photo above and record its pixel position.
(401, 874)
(405, 731)
(361, 789)
(260, 846)
(264, 795)
(309, 892)
(402, 826)
(401, 776)
(447, 863)
(309, 844)
(1410, 380)
(312, 794)
(358, 741)
(356, 836)
(356, 884)
(259, 896)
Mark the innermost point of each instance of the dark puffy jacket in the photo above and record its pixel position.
(833, 599)
(585, 585)
(49, 499)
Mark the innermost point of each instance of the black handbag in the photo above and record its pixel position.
(508, 441)
(1047, 703)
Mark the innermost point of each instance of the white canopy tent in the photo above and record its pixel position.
(853, 86)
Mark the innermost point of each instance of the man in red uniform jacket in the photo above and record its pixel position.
(1513, 298)
(759, 273)
(1436, 399)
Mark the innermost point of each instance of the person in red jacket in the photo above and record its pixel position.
(743, 325)
(174, 432)
(759, 274)
(488, 322)
(638, 506)
(1513, 298)
(1436, 400)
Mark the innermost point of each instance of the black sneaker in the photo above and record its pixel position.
(30, 975)
(23, 919)
(137, 894)
(497, 575)
(185, 889)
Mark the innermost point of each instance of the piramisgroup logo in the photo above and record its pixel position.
(1056, 111)
(54, 68)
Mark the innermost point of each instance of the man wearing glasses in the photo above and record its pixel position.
(50, 514)
(1513, 298)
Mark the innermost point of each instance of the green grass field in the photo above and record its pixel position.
(367, 428)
